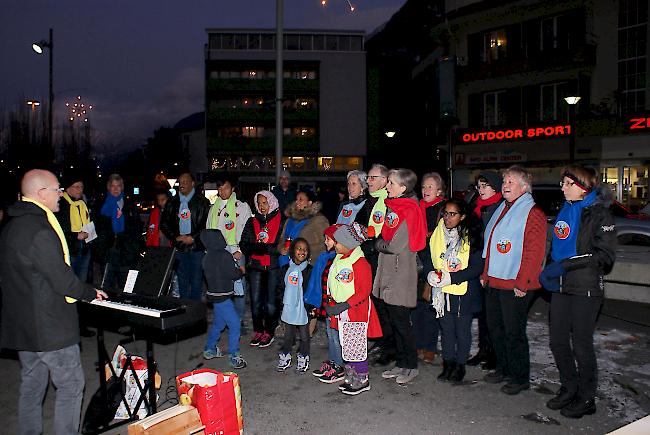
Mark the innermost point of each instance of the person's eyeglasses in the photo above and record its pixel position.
(450, 213)
(568, 183)
(373, 177)
(54, 189)
(482, 186)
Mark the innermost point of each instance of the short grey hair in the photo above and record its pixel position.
(382, 169)
(525, 177)
(114, 177)
(404, 177)
(442, 186)
(361, 176)
(285, 173)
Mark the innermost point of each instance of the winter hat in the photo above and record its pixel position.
(351, 236)
(329, 231)
(494, 179)
(70, 177)
(270, 198)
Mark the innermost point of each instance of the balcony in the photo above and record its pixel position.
(257, 85)
(264, 145)
(254, 116)
(584, 55)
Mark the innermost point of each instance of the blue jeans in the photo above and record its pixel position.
(224, 315)
(263, 286)
(190, 274)
(64, 368)
(81, 263)
(456, 336)
(334, 350)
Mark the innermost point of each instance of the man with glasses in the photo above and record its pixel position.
(38, 312)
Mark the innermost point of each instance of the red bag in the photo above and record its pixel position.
(217, 397)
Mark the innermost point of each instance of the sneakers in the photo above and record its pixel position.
(257, 337)
(360, 383)
(266, 339)
(334, 374)
(349, 377)
(392, 373)
(303, 363)
(237, 361)
(324, 367)
(284, 361)
(213, 353)
(407, 375)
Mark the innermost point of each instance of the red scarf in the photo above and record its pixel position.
(424, 205)
(480, 203)
(405, 210)
(266, 234)
(153, 238)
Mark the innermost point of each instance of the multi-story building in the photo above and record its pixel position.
(518, 61)
(324, 101)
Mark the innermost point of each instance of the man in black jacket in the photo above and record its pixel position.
(39, 318)
(182, 221)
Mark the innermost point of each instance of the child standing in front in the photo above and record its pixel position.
(220, 274)
(294, 313)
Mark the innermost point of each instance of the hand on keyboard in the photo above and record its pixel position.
(100, 295)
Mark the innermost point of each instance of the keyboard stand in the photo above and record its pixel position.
(147, 391)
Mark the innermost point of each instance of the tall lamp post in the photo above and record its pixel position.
(572, 101)
(38, 48)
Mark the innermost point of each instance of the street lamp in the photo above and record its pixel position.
(572, 102)
(38, 48)
(33, 104)
(390, 133)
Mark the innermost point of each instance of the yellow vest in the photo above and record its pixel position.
(340, 279)
(438, 248)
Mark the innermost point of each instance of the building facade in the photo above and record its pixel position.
(324, 101)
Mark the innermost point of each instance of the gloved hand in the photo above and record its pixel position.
(336, 309)
(439, 278)
(550, 276)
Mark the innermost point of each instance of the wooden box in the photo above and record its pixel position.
(179, 419)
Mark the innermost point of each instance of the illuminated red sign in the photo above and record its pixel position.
(636, 124)
(550, 131)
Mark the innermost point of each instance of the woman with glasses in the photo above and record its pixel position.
(455, 248)
(583, 249)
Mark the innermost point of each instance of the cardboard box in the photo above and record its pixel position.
(179, 419)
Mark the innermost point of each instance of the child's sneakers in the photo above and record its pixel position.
(237, 361)
(336, 373)
(284, 361)
(349, 377)
(257, 337)
(323, 369)
(266, 339)
(213, 353)
(360, 383)
(303, 363)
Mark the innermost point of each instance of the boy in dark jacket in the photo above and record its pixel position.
(220, 273)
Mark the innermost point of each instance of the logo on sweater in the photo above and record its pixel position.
(262, 236)
(378, 217)
(185, 214)
(152, 228)
(346, 212)
(392, 219)
(562, 230)
(504, 246)
(229, 225)
(345, 276)
(454, 264)
(293, 277)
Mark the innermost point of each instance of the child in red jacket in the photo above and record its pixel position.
(350, 284)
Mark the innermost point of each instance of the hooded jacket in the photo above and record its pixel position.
(218, 266)
(312, 231)
(595, 249)
(35, 280)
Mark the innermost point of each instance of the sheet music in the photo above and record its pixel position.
(130, 281)
(90, 229)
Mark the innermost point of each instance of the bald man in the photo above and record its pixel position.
(39, 318)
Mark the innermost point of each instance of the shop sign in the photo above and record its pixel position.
(638, 123)
(491, 157)
(547, 132)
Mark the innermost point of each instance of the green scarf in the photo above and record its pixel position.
(378, 213)
(229, 229)
(340, 279)
(59, 232)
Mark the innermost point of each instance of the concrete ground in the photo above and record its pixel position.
(298, 403)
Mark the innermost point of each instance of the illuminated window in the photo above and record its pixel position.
(253, 131)
(494, 45)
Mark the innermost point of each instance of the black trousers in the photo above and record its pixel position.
(483, 335)
(573, 320)
(387, 341)
(507, 317)
(290, 337)
(426, 328)
(406, 356)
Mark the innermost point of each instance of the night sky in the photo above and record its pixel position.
(140, 62)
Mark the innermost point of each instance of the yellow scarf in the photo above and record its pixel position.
(79, 215)
(59, 232)
(438, 248)
(378, 213)
(340, 279)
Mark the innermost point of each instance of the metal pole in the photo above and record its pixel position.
(279, 72)
(572, 136)
(50, 151)
(451, 160)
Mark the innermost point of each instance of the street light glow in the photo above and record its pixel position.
(390, 133)
(572, 100)
(37, 48)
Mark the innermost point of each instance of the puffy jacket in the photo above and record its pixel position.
(250, 246)
(199, 208)
(595, 249)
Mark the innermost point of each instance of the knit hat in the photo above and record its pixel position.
(329, 231)
(494, 179)
(71, 177)
(351, 236)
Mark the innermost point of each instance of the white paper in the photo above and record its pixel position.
(89, 228)
(130, 281)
